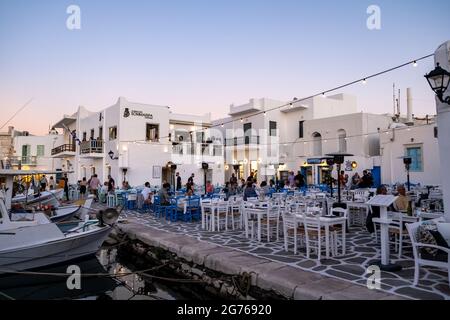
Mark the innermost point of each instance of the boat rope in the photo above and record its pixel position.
(60, 274)
(6, 296)
(170, 279)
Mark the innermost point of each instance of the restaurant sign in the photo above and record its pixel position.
(136, 113)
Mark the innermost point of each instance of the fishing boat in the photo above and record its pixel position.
(51, 197)
(34, 241)
(55, 214)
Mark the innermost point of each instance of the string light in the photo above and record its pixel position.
(323, 93)
(415, 63)
(364, 81)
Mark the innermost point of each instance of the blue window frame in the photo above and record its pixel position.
(415, 153)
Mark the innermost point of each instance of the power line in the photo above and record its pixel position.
(17, 112)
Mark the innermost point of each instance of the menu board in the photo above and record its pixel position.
(382, 200)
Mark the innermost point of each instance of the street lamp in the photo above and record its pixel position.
(111, 155)
(439, 79)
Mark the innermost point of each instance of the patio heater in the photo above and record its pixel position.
(407, 162)
(205, 167)
(338, 159)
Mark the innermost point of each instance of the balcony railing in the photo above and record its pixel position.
(63, 148)
(25, 161)
(92, 146)
(237, 141)
(205, 149)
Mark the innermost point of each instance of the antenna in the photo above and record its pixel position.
(393, 97)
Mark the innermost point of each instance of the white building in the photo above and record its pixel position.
(34, 152)
(139, 143)
(267, 140)
(418, 142)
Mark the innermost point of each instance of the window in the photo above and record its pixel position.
(272, 128)
(200, 137)
(26, 150)
(342, 138)
(152, 132)
(84, 136)
(300, 129)
(40, 152)
(92, 134)
(317, 144)
(415, 153)
(247, 132)
(112, 133)
(100, 133)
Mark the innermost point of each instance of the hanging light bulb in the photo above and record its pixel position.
(242, 120)
(265, 114)
(415, 63)
(364, 81)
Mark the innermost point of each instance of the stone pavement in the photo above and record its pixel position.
(294, 276)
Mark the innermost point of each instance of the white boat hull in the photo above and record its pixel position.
(46, 198)
(57, 250)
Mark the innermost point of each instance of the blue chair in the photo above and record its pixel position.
(193, 209)
(157, 206)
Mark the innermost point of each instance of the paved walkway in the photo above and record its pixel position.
(340, 278)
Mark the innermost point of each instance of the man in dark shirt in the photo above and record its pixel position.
(191, 179)
(179, 184)
(111, 184)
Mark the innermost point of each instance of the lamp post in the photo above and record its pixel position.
(438, 80)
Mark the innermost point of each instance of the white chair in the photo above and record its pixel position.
(292, 229)
(111, 200)
(396, 228)
(221, 215)
(335, 231)
(235, 212)
(314, 235)
(413, 231)
(270, 224)
(248, 218)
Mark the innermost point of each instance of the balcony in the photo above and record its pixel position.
(24, 161)
(238, 141)
(64, 150)
(91, 149)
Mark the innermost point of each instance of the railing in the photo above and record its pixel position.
(237, 141)
(92, 146)
(189, 149)
(63, 148)
(25, 160)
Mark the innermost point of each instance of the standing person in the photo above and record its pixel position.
(233, 180)
(111, 184)
(179, 184)
(342, 180)
(251, 177)
(299, 180)
(94, 185)
(83, 187)
(191, 179)
(291, 179)
(66, 186)
(52, 183)
(43, 181)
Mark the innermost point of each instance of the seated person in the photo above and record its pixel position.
(264, 188)
(250, 191)
(147, 193)
(164, 194)
(402, 202)
(209, 187)
(125, 185)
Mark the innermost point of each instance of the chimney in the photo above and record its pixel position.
(409, 106)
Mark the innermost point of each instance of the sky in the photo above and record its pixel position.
(200, 56)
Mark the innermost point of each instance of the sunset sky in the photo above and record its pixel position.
(200, 56)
